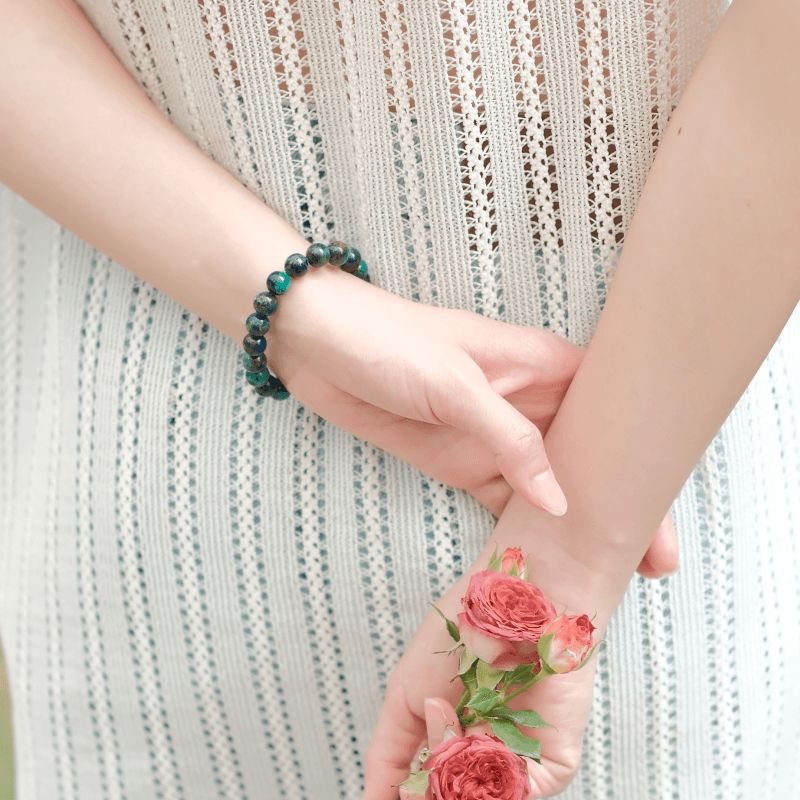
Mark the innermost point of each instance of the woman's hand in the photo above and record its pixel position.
(464, 398)
(551, 776)
(426, 671)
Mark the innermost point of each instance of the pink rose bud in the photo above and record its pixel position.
(478, 767)
(513, 558)
(503, 619)
(572, 640)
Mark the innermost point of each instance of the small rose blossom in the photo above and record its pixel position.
(503, 619)
(476, 767)
(513, 558)
(571, 642)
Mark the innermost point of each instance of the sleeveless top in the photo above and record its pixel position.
(203, 593)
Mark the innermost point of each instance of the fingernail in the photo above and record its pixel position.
(549, 493)
(432, 707)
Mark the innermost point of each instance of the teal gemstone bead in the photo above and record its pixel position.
(278, 282)
(337, 253)
(257, 326)
(280, 391)
(254, 363)
(254, 345)
(352, 261)
(361, 272)
(296, 264)
(265, 304)
(317, 254)
(258, 378)
(267, 390)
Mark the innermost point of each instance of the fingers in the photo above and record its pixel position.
(663, 554)
(440, 717)
(516, 443)
(396, 739)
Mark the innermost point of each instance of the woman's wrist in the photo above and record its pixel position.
(577, 565)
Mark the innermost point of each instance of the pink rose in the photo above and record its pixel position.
(503, 619)
(476, 767)
(571, 642)
(513, 558)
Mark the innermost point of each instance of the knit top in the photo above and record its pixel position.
(203, 592)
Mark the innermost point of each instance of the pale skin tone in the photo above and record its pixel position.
(104, 156)
(88, 148)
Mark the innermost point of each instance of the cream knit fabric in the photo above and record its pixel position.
(198, 588)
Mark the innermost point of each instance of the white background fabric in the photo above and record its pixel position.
(202, 594)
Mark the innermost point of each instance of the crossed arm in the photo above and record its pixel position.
(709, 275)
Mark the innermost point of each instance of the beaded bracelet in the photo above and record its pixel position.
(266, 304)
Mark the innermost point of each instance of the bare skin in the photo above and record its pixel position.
(714, 241)
(88, 148)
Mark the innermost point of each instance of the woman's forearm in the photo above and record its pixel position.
(82, 142)
(709, 275)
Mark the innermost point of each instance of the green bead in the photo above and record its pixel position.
(257, 326)
(361, 272)
(265, 304)
(352, 260)
(254, 363)
(337, 253)
(317, 255)
(258, 378)
(296, 264)
(278, 282)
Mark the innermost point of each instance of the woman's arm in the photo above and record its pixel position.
(82, 142)
(709, 275)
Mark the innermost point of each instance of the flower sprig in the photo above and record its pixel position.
(508, 638)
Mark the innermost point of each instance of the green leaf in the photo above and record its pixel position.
(517, 742)
(487, 677)
(452, 629)
(586, 658)
(417, 783)
(521, 674)
(530, 719)
(483, 701)
(466, 661)
(513, 571)
(495, 561)
(544, 646)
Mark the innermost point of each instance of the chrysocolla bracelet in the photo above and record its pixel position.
(266, 304)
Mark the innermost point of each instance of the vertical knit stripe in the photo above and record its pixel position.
(289, 53)
(539, 177)
(198, 133)
(467, 97)
(64, 757)
(445, 562)
(376, 561)
(190, 581)
(130, 19)
(408, 163)
(224, 56)
(252, 552)
(313, 563)
(108, 756)
(155, 719)
(11, 305)
(711, 483)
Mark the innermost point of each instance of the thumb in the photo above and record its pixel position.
(440, 717)
(515, 441)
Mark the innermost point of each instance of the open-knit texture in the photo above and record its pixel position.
(203, 593)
